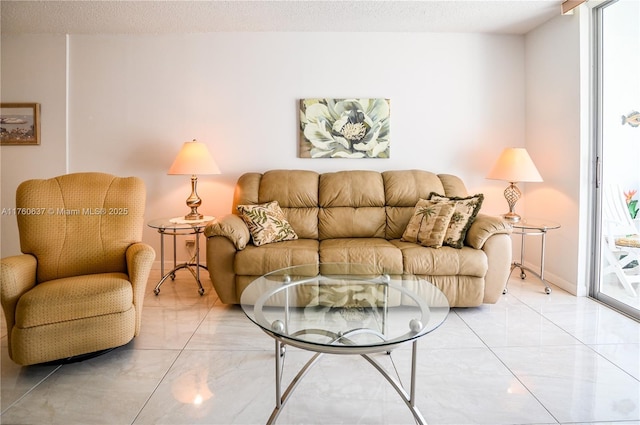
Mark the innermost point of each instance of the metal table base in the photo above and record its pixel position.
(283, 397)
(193, 265)
(531, 229)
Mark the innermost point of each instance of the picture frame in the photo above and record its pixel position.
(344, 128)
(19, 124)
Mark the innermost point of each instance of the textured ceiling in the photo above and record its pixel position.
(143, 17)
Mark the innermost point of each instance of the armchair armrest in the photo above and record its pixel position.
(18, 275)
(484, 227)
(231, 227)
(140, 258)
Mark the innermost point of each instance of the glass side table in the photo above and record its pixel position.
(180, 227)
(532, 227)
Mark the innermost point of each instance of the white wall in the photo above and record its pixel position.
(456, 101)
(556, 99)
(33, 69)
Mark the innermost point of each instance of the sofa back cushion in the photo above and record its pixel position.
(403, 190)
(295, 190)
(351, 205)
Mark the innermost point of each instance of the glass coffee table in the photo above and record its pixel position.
(344, 309)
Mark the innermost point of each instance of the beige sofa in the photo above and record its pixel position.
(357, 217)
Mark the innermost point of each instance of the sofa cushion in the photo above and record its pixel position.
(351, 189)
(460, 290)
(351, 205)
(463, 216)
(349, 222)
(267, 223)
(256, 261)
(429, 223)
(445, 261)
(402, 190)
(297, 194)
(376, 251)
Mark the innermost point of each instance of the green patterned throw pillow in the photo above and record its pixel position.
(464, 214)
(266, 223)
(429, 223)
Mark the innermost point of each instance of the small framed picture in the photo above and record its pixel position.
(19, 124)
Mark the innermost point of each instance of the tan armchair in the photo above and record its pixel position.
(79, 285)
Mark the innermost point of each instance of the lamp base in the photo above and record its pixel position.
(511, 217)
(512, 194)
(194, 201)
(193, 216)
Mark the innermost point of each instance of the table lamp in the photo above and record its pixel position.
(194, 158)
(514, 165)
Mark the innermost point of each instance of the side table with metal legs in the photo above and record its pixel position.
(532, 227)
(179, 227)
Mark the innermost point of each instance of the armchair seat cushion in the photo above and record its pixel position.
(74, 298)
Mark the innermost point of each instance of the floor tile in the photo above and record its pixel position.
(625, 356)
(168, 328)
(575, 383)
(111, 388)
(16, 380)
(347, 390)
(517, 325)
(593, 323)
(227, 328)
(213, 387)
(470, 386)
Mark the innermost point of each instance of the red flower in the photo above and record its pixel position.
(629, 195)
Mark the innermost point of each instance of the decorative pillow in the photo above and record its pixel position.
(465, 213)
(266, 223)
(429, 223)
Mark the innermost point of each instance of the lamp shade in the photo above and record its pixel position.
(194, 158)
(515, 165)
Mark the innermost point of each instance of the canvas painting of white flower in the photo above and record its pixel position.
(344, 128)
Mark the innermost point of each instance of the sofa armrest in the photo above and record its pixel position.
(484, 227)
(498, 250)
(231, 227)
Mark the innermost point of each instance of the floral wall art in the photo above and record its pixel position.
(344, 128)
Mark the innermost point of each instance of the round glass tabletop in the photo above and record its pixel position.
(535, 224)
(343, 313)
(179, 223)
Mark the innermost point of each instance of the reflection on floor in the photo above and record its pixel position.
(530, 358)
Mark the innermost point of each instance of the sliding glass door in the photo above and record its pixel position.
(617, 135)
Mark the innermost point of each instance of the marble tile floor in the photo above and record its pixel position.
(531, 358)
